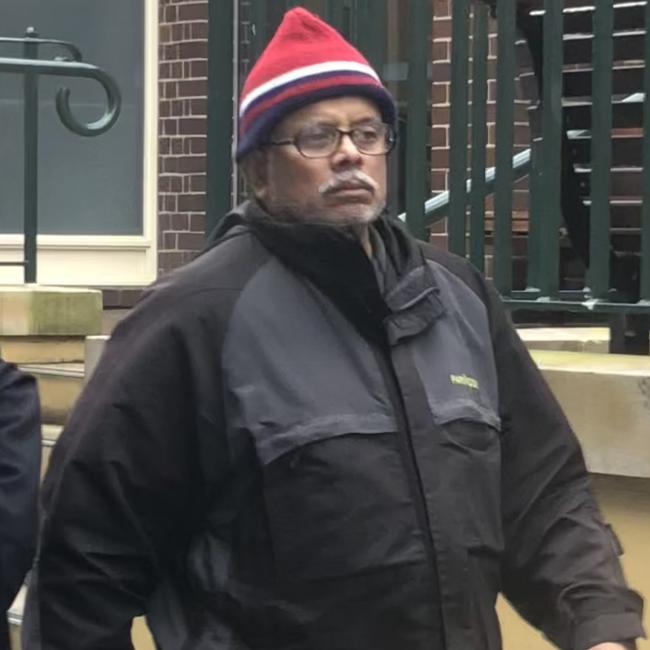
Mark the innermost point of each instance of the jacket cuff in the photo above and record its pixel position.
(613, 628)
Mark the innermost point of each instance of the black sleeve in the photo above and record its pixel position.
(561, 569)
(122, 489)
(20, 464)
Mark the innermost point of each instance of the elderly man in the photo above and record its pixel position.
(321, 434)
(20, 462)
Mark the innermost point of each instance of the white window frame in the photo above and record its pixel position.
(106, 260)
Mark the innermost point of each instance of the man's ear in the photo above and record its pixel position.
(254, 168)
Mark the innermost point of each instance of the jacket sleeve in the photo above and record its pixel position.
(20, 462)
(122, 489)
(560, 568)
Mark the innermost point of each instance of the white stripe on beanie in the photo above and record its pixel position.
(299, 73)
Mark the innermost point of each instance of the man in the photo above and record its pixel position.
(320, 434)
(20, 461)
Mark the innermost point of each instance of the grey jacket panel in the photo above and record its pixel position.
(455, 358)
(296, 370)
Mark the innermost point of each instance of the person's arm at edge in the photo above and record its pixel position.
(20, 464)
(120, 489)
(561, 569)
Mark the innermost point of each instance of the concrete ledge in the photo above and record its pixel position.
(607, 400)
(570, 339)
(59, 386)
(32, 310)
(42, 349)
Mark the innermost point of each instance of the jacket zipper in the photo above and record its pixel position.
(413, 473)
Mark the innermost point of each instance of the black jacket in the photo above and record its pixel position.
(20, 463)
(273, 455)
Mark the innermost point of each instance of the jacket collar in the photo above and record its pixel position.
(337, 265)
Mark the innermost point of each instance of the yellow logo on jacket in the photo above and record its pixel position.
(464, 380)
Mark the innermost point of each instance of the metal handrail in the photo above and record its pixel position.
(31, 67)
(75, 69)
(437, 207)
(73, 50)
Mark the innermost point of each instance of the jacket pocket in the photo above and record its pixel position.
(473, 472)
(338, 504)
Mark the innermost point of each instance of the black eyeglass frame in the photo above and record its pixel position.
(390, 138)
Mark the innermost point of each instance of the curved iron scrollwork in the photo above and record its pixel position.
(69, 66)
(31, 66)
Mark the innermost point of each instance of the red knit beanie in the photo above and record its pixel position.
(307, 60)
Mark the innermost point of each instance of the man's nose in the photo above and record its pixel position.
(346, 152)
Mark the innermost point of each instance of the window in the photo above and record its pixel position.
(87, 186)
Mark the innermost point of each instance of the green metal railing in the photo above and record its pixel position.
(470, 181)
(544, 162)
(31, 67)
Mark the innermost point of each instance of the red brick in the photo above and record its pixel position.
(199, 31)
(438, 181)
(440, 93)
(193, 11)
(192, 126)
(198, 69)
(197, 223)
(193, 50)
(177, 33)
(199, 106)
(191, 202)
(170, 260)
(193, 241)
(192, 88)
(179, 222)
(439, 136)
(169, 240)
(198, 145)
(197, 183)
(170, 126)
(441, 51)
(191, 164)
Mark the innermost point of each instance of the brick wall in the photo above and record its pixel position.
(182, 125)
(440, 120)
(182, 130)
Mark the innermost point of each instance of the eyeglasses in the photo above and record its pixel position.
(322, 140)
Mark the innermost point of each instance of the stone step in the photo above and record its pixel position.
(59, 386)
(606, 398)
(42, 349)
(49, 435)
(569, 339)
(33, 310)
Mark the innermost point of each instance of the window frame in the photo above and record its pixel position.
(106, 260)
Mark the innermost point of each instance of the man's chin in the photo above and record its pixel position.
(352, 215)
(342, 216)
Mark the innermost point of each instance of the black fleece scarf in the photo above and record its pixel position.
(336, 263)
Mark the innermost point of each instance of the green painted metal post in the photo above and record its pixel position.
(30, 126)
(535, 227)
(457, 224)
(601, 148)
(259, 23)
(479, 135)
(417, 167)
(221, 103)
(551, 185)
(336, 14)
(645, 212)
(505, 118)
(371, 31)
